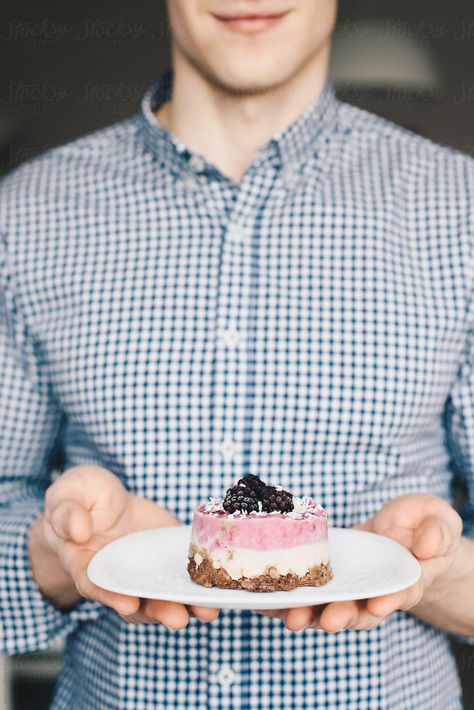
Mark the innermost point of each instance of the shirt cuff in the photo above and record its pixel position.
(28, 621)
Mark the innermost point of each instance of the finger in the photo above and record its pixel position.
(385, 605)
(338, 615)
(314, 623)
(149, 614)
(348, 615)
(275, 613)
(400, 534)
(434, 538)
(204, 613)
(136, 619)
(77, 483)
(173, 615)
(365, 621)
(94, 488)
(298, 618)
(404, 600)
(71, 521)
(411, 510)
(141, 616)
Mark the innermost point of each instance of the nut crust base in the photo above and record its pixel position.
(208, 576)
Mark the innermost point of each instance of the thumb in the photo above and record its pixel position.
(432, 538)
(72, 522)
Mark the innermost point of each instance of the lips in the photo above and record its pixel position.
(250, 23)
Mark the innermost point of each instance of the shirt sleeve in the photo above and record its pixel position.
(459, 424)
(29, 426)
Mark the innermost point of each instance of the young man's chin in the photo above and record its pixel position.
(238, 81)
(244, 87)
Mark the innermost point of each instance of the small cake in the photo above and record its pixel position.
(260, 538)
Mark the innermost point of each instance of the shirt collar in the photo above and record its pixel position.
(296, 143)
(293, 144)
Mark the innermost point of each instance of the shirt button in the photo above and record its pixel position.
(231, 336)
(197, 163)
(236, 233)
(227, 449)
(226, 676)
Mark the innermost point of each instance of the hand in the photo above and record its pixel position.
(85, 508)
(426, 525)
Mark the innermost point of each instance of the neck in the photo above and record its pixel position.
(228, 129)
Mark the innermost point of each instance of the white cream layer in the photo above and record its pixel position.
(252, 563)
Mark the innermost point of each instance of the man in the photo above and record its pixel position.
(248, 276)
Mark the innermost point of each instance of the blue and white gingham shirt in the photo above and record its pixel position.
(313, 324)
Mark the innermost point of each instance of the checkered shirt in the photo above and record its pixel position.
(312, 324)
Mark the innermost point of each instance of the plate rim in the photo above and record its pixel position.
(264, 597)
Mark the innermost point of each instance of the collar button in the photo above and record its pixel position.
(197, 163)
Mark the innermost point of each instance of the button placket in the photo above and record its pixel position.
(231, 337)
(237, 234)
(236, 286)
(231, 357)
(228, 449)
(226, 676)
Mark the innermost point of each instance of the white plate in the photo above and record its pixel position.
(152, 564)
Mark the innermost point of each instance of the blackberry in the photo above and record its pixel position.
(240, 499)
(274, 499)
(251, 494)
(253, 482)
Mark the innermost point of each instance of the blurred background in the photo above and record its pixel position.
(66, 71)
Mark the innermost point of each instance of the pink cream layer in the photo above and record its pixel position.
(215, 529)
